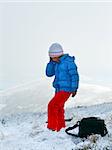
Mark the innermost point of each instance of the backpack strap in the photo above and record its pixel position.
(68, 120)
(71, 128)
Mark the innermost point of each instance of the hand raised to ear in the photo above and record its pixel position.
(50, 59)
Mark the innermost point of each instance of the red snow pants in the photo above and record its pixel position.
(56, 110)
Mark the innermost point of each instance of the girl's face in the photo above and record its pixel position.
(55, 59)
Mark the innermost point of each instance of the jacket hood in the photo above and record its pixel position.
(67, 57)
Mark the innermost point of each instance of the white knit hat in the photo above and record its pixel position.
(55, 50)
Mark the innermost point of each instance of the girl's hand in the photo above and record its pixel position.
(50, 59)
(74, 93)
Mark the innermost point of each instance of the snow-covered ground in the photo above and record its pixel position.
(23, 113)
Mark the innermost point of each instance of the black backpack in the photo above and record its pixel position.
(89, 126)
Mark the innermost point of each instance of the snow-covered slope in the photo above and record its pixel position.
(27, 131)
(34, 96)
(27, 97)
(23, 112)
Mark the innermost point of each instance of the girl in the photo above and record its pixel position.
(66, 81)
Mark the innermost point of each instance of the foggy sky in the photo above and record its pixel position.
(28, 29)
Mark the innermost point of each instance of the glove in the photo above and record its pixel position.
(74, 93)
(50, 59)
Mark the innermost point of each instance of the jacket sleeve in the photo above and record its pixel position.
(50, 69)
(72, 69)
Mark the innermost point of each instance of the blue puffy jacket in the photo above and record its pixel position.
(66, 74)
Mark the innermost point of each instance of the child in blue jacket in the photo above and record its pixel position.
(66, 80)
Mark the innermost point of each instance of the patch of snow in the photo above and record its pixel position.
(23, 116)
